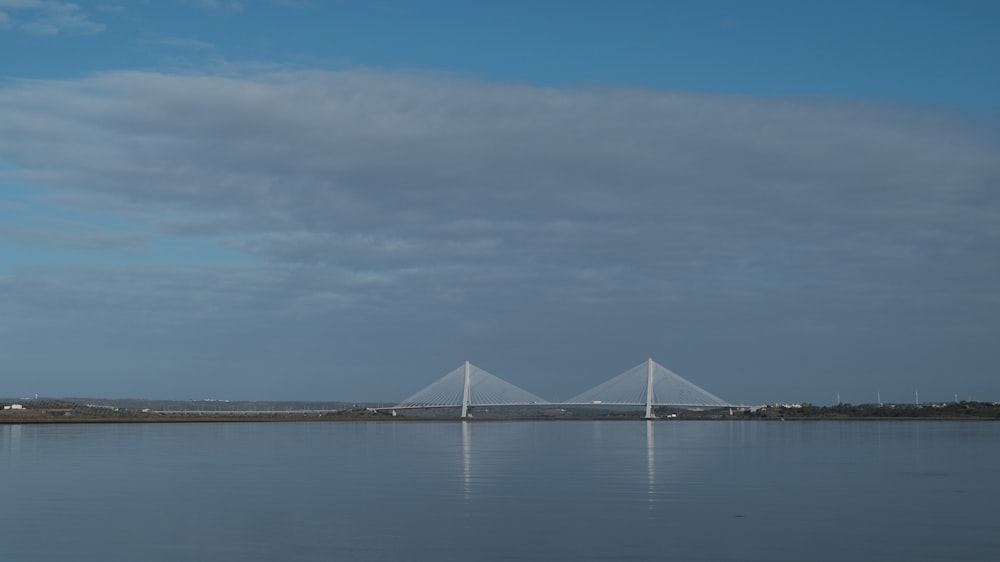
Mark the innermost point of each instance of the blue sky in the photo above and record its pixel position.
(345, 200)
(921, 52)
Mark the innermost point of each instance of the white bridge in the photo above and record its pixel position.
(648, 384)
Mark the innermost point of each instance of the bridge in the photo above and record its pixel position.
(648, 384)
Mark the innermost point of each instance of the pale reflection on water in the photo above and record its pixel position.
(467, 458)
(650, 490)
(650, 462)
(11, 440)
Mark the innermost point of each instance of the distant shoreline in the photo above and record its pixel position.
(67, 411)
(282, 418)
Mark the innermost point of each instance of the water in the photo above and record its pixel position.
(623, 490)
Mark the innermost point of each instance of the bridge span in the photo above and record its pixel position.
(648, 384)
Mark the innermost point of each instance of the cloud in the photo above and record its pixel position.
(21, 4)
(433, 160)
(293, 3)
(377, 205)
(216, 5)
(437, 165)
(180, 43)
(44, 17)
(70, 234)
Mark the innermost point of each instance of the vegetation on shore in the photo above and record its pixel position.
(965, 409)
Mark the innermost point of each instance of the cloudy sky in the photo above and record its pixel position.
(304, 199)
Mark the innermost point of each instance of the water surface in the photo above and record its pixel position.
(623, 490)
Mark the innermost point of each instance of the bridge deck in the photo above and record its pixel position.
(557, 404)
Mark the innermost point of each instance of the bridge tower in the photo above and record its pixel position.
(467, 387)
(466, 392)
(649, 384)
(649, 390)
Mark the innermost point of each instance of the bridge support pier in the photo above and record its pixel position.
(649, 390)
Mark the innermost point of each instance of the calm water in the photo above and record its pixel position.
(501, 491)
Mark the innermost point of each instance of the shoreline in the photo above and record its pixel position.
(188, 418)
(132, 411)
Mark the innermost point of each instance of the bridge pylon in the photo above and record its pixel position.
(651, 385)
(649, 390)
(466, 387)
(466, 391)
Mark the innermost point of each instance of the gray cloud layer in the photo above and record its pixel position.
(46, 17)
(401, 222)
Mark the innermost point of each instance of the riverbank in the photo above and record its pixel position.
(64, 412)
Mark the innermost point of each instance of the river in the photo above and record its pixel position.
(555, 490)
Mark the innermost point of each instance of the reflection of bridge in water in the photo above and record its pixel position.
(648, 384)
(471, 466)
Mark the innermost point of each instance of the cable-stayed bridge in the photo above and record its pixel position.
(648, 384)
(469, 386)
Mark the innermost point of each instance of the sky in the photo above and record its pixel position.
(330, 200)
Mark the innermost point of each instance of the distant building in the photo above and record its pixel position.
(14, 407)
